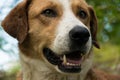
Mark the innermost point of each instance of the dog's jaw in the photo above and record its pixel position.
(34, 69)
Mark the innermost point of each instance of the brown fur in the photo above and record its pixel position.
(35, 31)
(17, 25)
(95, 74)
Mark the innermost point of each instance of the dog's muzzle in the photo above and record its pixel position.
(70, 61)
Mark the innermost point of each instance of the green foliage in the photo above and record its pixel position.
(108, 13)
(108, 57)
(106, 53)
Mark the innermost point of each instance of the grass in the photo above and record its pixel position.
(108, 57)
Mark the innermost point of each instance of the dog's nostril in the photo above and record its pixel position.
(79, 34)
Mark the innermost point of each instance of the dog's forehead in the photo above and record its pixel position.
(60, 2)
(37, 6)
(65, 2)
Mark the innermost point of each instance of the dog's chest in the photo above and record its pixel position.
(70, 77)
(73, 78)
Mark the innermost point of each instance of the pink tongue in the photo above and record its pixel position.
(77, 61)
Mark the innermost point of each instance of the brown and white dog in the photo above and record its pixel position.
(55, 39)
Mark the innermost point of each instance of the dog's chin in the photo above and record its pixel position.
(68, 62)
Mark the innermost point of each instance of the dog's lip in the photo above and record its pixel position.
(51, 57)
(68, 62)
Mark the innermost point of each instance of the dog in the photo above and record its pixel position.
(56, 38)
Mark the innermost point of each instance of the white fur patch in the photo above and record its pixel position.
(68, 22)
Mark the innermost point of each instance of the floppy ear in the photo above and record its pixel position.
(16, 22)
(93, 27)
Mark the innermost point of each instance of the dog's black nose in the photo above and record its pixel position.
(79, 35)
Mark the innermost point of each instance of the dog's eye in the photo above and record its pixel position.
(49, 13)
(82, 14)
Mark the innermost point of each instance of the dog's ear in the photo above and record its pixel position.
(93, 27)
(16, 22)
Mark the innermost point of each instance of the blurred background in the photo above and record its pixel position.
(106, 58)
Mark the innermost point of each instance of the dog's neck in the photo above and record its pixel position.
(38, 70)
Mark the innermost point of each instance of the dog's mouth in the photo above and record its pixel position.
(69, 62)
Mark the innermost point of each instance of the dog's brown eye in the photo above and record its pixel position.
(49, 13)
(82, 14)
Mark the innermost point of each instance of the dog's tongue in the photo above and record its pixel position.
(74, 58)
(74, 61)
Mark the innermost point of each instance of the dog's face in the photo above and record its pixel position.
(58, 32)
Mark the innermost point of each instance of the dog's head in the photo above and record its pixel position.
(59, 32)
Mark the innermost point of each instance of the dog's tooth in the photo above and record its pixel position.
(64, 59)
(74, 64)
(68, 64)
